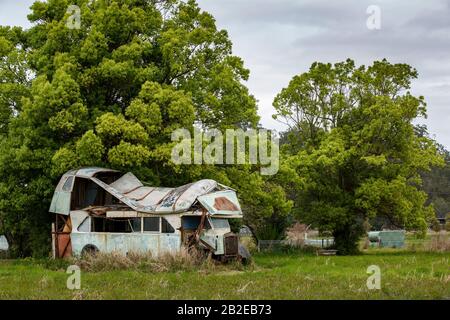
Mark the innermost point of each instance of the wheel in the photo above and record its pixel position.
(89, 250)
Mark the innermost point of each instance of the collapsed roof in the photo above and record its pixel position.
(130, 191)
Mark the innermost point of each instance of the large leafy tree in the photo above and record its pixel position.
(436, 183)
(354, 148)
(14, 75)
(110, 93)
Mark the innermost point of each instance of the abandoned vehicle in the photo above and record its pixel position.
(103, 210)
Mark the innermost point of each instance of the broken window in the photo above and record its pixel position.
(87, 193)
(151, 224)
(135, 224)
(192, 222)
(126, 225)
(108, 177)
(99, 224)
(166, 227)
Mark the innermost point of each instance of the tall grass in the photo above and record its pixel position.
(167, 262)
(439, 243)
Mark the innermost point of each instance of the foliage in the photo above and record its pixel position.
(110, 94)
(263, 202)
(358, 155)
(14, 79)
(436, 182)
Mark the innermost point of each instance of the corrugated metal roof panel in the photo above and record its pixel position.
(154, 197)
(132, 192)
(90, 171)
(140, 193)
(127, 183)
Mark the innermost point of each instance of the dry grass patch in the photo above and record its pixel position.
(167, 262)
(439, 243)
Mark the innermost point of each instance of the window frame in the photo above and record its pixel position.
(171, 226)
(141, 224)
(87, 220)
(214, 227)
(154, 232)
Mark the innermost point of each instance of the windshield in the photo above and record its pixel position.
(220, 223)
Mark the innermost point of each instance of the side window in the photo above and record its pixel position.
(151, 224)
(68, 184)
(192, 223)
(220, 223)
(166, 227)
(119, 225)
(135, 224)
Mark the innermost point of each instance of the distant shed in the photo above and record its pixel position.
(387, 238)
(4, 246)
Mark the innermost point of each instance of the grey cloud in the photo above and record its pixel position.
(14, 12)
(278, 39)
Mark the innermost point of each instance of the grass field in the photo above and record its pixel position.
(404, 275)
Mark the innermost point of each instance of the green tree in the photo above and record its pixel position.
(436, 183)
(264, 203)
(109, 93)
(14, 79)
(359, 156)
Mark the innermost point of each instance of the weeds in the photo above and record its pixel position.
(405, 275)
(146, 262)
(439, 243)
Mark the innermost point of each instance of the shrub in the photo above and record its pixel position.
(435, 225)
(249, 243)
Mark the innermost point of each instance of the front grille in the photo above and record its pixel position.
(231, 244)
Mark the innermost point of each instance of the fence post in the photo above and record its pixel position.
(53, 241)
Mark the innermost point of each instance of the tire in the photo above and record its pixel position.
(89, 250)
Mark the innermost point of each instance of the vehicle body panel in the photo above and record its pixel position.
(117, 201)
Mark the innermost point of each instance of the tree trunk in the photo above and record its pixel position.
(346, 238)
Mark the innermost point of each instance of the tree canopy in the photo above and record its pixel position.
(354, 148)
(110, 93)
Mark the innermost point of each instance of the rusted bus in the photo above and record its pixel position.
(104, 210)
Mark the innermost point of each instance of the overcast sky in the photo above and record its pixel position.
(281, 38)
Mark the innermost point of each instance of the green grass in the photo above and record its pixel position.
(404, 275)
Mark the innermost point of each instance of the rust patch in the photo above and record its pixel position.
(98, 211)
(64, 245)
(222, 203)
